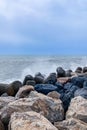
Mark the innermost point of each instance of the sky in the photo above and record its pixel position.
(43, 27)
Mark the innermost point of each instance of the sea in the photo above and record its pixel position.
(17, 67)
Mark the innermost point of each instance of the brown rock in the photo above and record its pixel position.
(13, 88)
(71, 124)
(30, 121)
(54, 95)
(78, 109)
(63, 80)
(52, 109)
(24, 91)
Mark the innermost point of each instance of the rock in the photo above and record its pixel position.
(51, 79)
(5, 100)
(28, 77)
(4, 95)
(13, 88)
(1, 126)
(78, 70)
(60, 72)
(84, 69)
(60, 88)
(39, 79)
(3, 88)
(31, 82)
(81, 92)
(24, 91)
(45, 88)
(78, 81)
(68, 73)
(69, 90)
(52, 109)
(69, 87)
(54, 95)
(29, 121)
(71, 124)
(78, 109)
(63, 80)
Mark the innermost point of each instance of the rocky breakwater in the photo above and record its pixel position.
(56, 102)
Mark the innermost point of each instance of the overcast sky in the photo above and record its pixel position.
(43, 27)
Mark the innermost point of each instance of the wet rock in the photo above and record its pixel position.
(60, 72)
(30, 121)
(13, 88)
(60, 88)
(78, 81)
(51, 79)
(64, 80)
(1, 126)
(78, 70)
(24, 91)
(28, 77)
(31, 82)
(71, 124)
(3, 88)
(39, 79)
(45, 88)
(78, 109)
(69, 90)
(54, 95)
(81, 92)
(68, 73)
(52, 109)
(84, 69)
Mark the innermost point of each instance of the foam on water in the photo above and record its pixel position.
(17, 67)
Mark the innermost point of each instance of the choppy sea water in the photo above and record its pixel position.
(17, 67)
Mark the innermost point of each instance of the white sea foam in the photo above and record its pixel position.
(16, 68)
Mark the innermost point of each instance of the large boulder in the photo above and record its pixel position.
(27, 77)
(51, 79)
(51, 108)
(45, 88)
(78, 109)
(24, 91)
(71, 124)
(13, 88)
(29, 121)
(60, 72)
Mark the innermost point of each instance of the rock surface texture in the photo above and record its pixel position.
(78, 109)
(30, 121)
